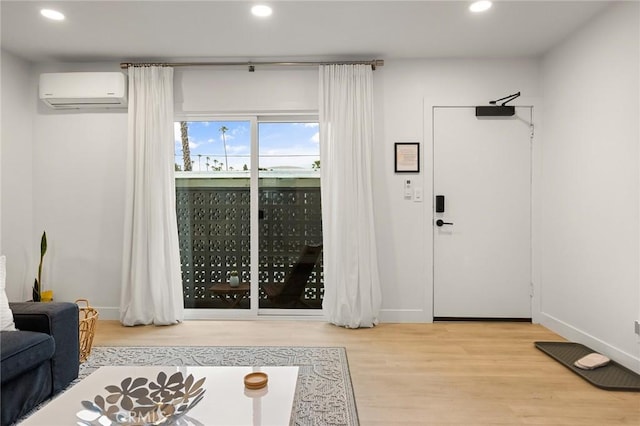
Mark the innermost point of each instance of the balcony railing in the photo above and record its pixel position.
(213, 212)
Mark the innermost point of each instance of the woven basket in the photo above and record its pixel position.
(88, 319)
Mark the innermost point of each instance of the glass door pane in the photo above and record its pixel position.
(213, 163)
(290, 221)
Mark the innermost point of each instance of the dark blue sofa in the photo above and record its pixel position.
(40, 359)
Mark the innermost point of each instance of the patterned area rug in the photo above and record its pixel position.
(324, 394)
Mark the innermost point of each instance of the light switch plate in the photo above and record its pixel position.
(408, 189)
(417, 195)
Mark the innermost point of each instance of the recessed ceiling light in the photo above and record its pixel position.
(480, 6)
(261, 10)
(52, 14)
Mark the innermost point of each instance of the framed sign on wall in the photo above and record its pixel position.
(407, 157)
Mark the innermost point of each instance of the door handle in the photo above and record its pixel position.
(441, 222)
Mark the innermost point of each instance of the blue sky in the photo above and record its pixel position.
(280, 144)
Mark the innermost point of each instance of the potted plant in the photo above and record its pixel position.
(234, 279)
(37, 284)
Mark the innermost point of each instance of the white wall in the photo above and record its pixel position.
(404, 92)
(18, 241)
(590, 219)
(75, 167)
(237, 91)
(79, 200)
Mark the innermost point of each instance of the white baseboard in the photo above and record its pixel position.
(386, 315)
(404, 316)
(108, 313)
(575, 335)
(247, 315)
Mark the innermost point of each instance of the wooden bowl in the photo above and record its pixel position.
(256, 380)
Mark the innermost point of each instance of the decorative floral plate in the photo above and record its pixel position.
(141, 402)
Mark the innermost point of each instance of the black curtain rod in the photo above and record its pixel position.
(251, 65)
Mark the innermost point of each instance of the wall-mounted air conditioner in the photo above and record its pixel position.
(75, 90)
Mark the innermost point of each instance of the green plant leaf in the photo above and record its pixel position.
(43, 244)
(43, 250)
(35, 292)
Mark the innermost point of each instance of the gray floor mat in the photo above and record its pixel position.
(613, 376)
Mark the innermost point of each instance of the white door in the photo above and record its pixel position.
(482, 251)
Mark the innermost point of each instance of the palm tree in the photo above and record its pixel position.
(224, 129)
(186, 153)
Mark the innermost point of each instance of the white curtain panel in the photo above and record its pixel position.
(351, 283)
(151, 279)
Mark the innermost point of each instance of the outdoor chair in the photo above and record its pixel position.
(289, 293)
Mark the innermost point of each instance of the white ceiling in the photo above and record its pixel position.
(217, 30)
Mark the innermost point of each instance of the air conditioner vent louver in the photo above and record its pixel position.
(83, 90)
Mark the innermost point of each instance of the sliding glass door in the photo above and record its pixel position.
(213, 159)
(290, 215)
(249, 215)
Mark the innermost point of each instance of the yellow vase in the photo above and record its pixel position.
(46, 296)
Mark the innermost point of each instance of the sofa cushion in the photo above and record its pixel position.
(6, 316)
(22, 351)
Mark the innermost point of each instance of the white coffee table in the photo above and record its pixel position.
(226, 401)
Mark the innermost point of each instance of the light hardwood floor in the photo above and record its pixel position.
(424, 374)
